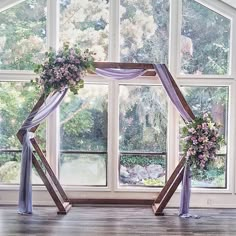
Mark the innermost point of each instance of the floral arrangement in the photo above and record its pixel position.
(201, 140)
(64, 68)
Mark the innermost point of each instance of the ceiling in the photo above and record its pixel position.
(232, 3)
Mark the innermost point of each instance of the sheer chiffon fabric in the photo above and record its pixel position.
(52, 102)
(35, 118)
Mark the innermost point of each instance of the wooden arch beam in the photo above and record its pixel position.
(150, 71)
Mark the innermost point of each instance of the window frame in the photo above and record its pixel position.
(224, 10)
(53, 11)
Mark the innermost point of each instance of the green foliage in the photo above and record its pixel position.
(154, 182)
(143, 118)
(129, 161)
(84, 120)
(210, 40)
(22, 35)
(7, 157)
(9, 171)
(16, 101)
(149, 45)
(142, 121)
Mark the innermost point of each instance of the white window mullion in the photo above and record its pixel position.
(113, 103)
(114, 31)
(174, 45)
(53, 135)
(232, 47)
(232, 115)
(174, 35)
(113, 136)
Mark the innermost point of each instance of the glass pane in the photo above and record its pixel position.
(143, 134)
(86, 22)
(23, 35)
(215, 101)
(83, 125)
(16, 101)
(144, 31)
(143, 170)
(83, 169)
(204, 43)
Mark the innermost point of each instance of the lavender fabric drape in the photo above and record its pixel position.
(174, 94)
(119, 74)
(185, 193)
(25, 193)
(35, 118)
(187, 115)
(165, 78)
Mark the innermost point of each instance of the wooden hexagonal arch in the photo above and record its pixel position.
(53, 185)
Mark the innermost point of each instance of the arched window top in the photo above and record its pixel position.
(205, 40)
(141, 32)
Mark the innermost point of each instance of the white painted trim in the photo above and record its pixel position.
(204, 77)
(231, 164)
(78, 189)
(206, 82)
(6, 4)
(114, 31)
(174, 36)
(111, 138)
(116, 133)
(197, 200)
(232, 136)
(52, 122)
(219, 7)
(53, 16)
(174, 51)
(233, 48)
(16, 75)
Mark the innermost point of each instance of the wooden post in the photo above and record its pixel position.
(169, 189)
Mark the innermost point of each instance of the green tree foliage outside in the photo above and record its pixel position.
(16, 101)
(208, 35)
(23, 35)
(144, 31)
(144, 38)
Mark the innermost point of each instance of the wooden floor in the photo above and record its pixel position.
(119, 220)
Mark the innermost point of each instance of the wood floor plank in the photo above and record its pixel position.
(116, 220)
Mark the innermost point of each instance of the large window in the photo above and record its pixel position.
(143, 135)
(23, 35)
(83, 126)
(213, 100)
(120, 139)
(144, 31)
(86, 23)
(16, 100)
(205, 43)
